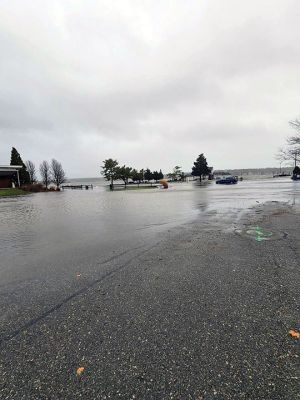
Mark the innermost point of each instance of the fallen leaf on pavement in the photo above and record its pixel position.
(79, 371)
(294, 334)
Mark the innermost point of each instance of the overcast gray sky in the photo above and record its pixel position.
(150, 83)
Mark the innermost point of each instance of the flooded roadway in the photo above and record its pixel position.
(49, 224)
(42, 232)
(62, 252)
(47, 239)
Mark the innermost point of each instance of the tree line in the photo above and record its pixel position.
(52, 172)
(112, 171)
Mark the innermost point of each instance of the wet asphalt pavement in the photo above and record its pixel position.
(201, 314)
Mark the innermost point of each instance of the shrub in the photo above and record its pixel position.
(34, 187)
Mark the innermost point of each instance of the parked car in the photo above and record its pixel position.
(228, 180)
(295, 177)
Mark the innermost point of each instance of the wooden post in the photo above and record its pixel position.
(18, 178)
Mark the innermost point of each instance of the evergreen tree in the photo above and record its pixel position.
(142, 174)
(155, 176)
(137, 176)
(200, 167)
(148, 175)
(296, 170)
(160, 175)
(17, 160)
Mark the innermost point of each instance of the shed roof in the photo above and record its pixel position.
(10, 168)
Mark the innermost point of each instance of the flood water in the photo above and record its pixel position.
(43, 232)
(54, 245)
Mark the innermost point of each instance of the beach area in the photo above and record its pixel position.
(196, 310)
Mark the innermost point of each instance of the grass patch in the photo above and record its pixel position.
(11, 192)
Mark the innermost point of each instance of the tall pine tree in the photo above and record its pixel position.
(160, 175)
(17, 160)
(200, 167)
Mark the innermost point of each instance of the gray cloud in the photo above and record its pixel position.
(152, 84)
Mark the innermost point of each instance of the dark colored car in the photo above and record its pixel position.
(229, 180)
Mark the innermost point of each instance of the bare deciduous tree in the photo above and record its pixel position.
(45, 173)
(58, 174)
(294, 140)
(295, 124)
(289, 154)
(31, 170)
(292, 152)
